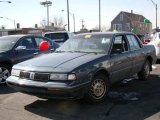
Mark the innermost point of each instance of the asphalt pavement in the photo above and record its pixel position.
(130, 99)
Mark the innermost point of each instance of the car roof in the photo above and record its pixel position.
(20, 35)
(57, 32)
(104, 33)
(17, 35)
(23, 35)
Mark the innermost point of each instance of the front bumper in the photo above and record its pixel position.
(157, 52)
(56, 90)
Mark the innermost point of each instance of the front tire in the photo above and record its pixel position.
(5, 72)
(144, 73)
(98, 89)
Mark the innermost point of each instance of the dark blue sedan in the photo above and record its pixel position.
(18, 48)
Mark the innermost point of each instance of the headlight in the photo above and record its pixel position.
(15, 72)
(62, 77)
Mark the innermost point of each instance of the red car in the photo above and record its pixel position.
(146, 39)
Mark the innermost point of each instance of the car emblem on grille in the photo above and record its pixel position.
(32, 74)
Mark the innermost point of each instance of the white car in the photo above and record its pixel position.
(156, 42)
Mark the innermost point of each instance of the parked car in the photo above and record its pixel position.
(156, 42)
(17, 48)
(146, 39)
(84, 66)
(59, 36)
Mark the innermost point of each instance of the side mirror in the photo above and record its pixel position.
(21, 48)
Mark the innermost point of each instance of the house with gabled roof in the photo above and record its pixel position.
(126, 21)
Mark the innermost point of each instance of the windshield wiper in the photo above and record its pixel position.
(59, 51)
(79, 51)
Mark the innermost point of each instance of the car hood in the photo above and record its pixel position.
(58, 62)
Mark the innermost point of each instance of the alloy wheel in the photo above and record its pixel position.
(4, 74)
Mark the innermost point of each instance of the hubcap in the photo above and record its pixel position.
(4, 74)
(98, 88)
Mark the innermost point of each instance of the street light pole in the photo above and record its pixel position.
(156, 17)
(11, 20)
(74, 22)
(6, 1)
(155, 5)
(82, 23)
(99, 15)
(47, 4)
(68, 15)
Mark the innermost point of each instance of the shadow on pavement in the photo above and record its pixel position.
(132, 100)
(4, 89)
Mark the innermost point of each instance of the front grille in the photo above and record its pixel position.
(44, 77)
(25, 75)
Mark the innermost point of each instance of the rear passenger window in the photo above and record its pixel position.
(133, 42)
(39, 40)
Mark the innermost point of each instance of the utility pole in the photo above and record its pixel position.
(99, 15)
(68, 15)
(73, 15)
(82, 24)
(155, 5)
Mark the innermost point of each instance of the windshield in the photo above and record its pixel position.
(7, 43)
(57, 37)
(98, 44)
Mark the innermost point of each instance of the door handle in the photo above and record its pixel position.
(36, 53)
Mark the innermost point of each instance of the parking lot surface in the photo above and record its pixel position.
(130, 99)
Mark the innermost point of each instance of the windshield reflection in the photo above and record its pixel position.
(98, 45)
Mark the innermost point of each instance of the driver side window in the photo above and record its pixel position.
(27, 42)
(119, 45)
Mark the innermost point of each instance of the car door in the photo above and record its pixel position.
(137, 53)
(25, 49)
(121, 62)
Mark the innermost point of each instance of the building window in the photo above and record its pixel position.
(117, 27)
(128, 27)
(121, 17)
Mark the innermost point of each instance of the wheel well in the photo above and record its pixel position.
(7, 63)
(149, 58)
(102, 72)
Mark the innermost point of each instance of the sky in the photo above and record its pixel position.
(30, 12)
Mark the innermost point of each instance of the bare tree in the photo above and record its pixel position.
(103, 28)
(58, 22)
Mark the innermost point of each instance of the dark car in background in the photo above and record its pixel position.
(84, 66)
(18, 48)
(59, 36)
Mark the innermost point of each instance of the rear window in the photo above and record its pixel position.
(57, 37)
